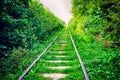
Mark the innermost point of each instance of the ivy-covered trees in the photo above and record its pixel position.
(100, 17)
(13, 14)
(22, 22)
(111, 17)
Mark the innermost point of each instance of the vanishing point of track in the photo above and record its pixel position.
(61, 42)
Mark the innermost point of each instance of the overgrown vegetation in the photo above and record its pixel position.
(74, 72)
(95, 26)
(24, 26)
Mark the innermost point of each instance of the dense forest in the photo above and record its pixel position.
(24, 26)
(27, 27)
(96, 28)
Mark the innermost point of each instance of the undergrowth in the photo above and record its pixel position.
(101, 63)
(22, 58)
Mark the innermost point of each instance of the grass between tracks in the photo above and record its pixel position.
(73, 73)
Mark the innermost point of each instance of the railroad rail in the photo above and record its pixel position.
(79, 58)
(34, 62)
(47, 48)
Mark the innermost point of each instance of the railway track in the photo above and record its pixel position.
(59, 61)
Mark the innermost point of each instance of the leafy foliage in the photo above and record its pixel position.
(23, 23)
(95, 26)
(101, 16)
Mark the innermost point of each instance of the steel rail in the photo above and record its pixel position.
(36, 60)
(79, 58)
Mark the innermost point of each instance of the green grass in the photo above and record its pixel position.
(102, 63)
(73, 73)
